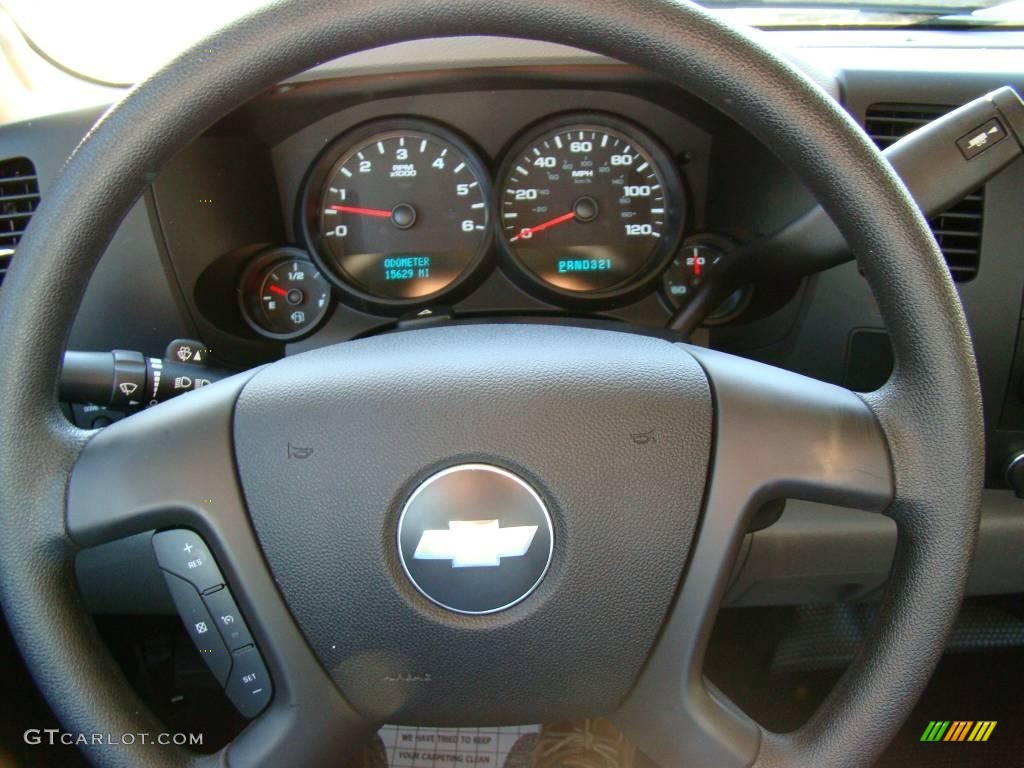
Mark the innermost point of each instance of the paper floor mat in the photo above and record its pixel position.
(505, 747)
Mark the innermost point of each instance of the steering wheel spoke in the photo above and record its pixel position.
(783, 435)
(777, 435)
(172, 466)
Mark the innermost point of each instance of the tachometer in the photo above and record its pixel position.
(398, 212)
(590, 207)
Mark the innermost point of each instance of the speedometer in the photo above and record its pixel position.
(590, 207)
(397, 213)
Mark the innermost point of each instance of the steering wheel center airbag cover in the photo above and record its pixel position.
(612, 430)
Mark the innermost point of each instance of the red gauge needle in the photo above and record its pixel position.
(531, 231)
(278, 290)
(362, 211)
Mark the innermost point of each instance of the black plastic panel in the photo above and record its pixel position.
(211, 200)
(817, 553)
(131, 302)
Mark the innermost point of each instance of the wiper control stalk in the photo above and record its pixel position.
(127, 381)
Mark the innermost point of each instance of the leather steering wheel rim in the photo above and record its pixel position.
(930, 411)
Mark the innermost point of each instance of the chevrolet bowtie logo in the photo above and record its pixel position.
(475, 543)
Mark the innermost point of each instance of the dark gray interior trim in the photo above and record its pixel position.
(820, 553)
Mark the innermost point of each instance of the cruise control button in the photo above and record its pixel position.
(228, 618)
(200, 627)
(184, 553)
(249, 687)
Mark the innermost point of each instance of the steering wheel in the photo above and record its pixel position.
(643, 533)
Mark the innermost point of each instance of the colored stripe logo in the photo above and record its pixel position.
(958, 730)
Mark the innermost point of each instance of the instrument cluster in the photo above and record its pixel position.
(586, 211)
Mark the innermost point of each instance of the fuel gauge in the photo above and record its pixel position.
(693, 265)
(283, 295)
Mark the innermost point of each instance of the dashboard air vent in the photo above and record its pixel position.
(958, 230)
(19, 197)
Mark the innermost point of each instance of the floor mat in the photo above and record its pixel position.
(506, 747)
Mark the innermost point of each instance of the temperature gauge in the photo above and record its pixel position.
(283, 295)
(695, 263)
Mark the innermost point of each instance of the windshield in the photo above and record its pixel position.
(63, 54)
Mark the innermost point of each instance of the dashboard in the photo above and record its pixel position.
(401, 213)
(490, 180)
(490, 193)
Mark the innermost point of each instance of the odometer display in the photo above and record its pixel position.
(589, 208)
(399, 215)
